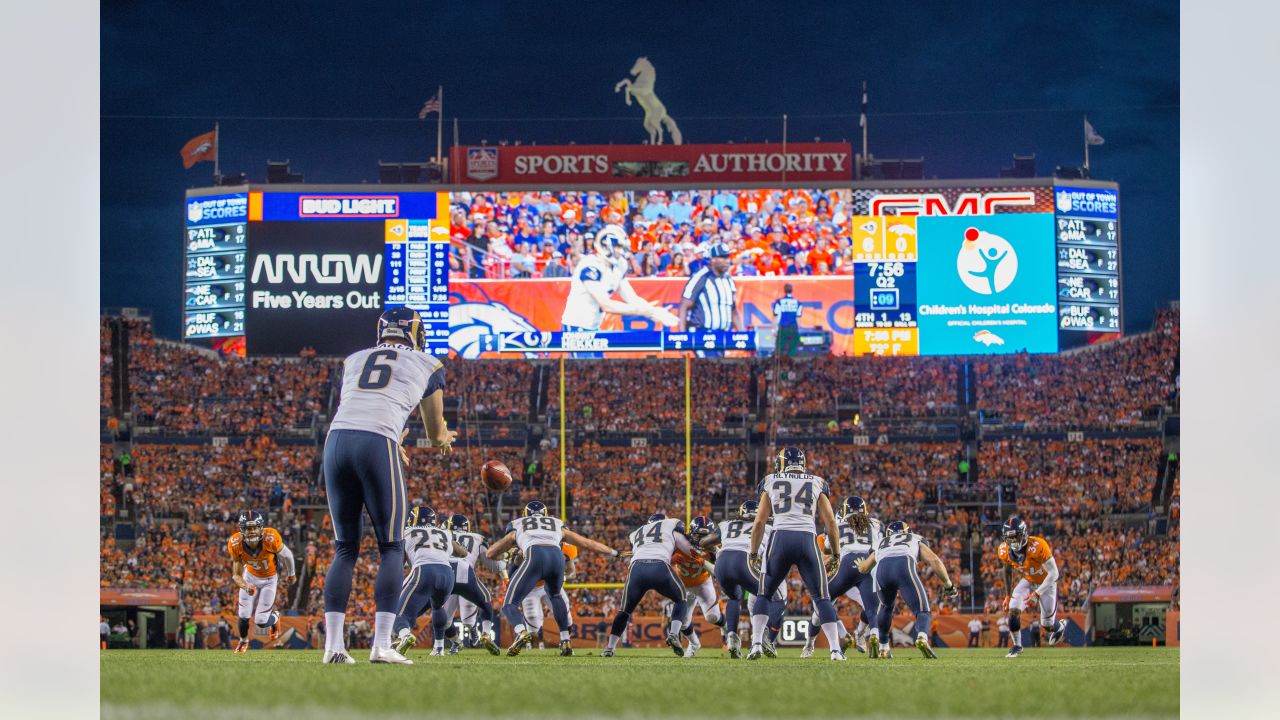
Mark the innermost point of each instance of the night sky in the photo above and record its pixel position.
(336, 87)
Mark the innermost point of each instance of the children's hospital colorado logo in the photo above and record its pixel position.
(986, 263)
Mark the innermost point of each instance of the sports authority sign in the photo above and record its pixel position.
(619, 164)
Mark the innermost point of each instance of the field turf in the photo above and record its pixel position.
(263, 685)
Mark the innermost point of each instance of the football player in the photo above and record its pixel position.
(364, 467)
(859, 534)
(652, 546)
(694, 572)
(431, 551)
(597, 278)
(738, 577)
(470, 597)
(1032, 558)
(895, 559)
(532, 607)
(261, 566)
(797, 501)
(539, 536)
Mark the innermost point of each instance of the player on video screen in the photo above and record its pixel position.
(597, 278)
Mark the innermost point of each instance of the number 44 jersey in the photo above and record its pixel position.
(794, 498)
(382, 385)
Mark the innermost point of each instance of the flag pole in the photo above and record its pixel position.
(439, 125)
(454, 145)
(864, 129)
(1085, 129)
(217, 148)
(784, 148)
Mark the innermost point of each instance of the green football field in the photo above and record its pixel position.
(1049, 682)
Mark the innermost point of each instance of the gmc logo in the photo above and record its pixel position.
(936, 204)
(324, 269)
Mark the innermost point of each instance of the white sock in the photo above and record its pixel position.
(844, 631)
(862, 628)
(486, 627)
(613, 641)
(382, 623)
(333, 629)
(519, 629)
(675, 627)
(564, 635)
(758, 622)
(833, 635)
(438, 645)
(403, 632)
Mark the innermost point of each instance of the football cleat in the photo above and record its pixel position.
(886, 653)
(695, 644)
(273, 633)
(770, 650)
(807, 652)
(437, 652)
(1014, 651)
(523, 639)
(566, 648)
(486, 641)
(748, 510)
(607, 652)
(338, 657)
(846, 642)
(1059, 629)
(735, 646)
(402, 323)
(388, 656)
(922, 644)
(673, 642)
(404, 642)
(837, 656)
(453, 648)
(242, 647)
(755, 653)
(873, 646)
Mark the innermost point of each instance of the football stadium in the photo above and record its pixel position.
(677, 414)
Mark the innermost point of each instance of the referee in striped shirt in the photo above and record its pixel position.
(710, 298)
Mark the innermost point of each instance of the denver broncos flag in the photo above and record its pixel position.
(200, 148)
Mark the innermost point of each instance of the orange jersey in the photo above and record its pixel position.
(691, 570)
(262, 563)
(1031, 567)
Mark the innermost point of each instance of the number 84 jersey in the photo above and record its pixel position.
(794, 498)
(382, 385)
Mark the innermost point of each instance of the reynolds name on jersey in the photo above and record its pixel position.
(382, 385)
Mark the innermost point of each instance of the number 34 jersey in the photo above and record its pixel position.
(382, 385)
(428, 545)
(794, 498)
(1030, 564)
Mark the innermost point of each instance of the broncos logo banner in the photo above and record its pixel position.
(482, 307)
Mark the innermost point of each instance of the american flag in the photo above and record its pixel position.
(430, 106)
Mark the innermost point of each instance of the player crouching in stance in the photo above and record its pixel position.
(256, 553)
(1032, 558)
(430, 583)
(695, 574)
(539, 536)
(895, 562)
(470, 598)
(859, 534)
(652, 546)
(735, 574)
(797, 501)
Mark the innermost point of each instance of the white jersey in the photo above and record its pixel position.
(382, 385)
(473, 543)
(900, 545)
(794, 497)
(538, 530)
(765, 536)
(655, 540)
(735, 535)
(851, 543)
(580, 309)
(428, 545)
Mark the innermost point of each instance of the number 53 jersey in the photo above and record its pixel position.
(382, 385)
(794, 498)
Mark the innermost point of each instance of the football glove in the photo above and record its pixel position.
(949, 591)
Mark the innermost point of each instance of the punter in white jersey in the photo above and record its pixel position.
(596, 278)
(796, 501)
(538, 536)
(895, 559)
(364, 467)
(652, 546)
(859, 534)
(431, 551)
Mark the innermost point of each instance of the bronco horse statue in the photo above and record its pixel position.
(655, 113)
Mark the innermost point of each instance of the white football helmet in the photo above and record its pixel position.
(612, 243)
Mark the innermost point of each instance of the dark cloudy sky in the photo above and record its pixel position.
(335, 87)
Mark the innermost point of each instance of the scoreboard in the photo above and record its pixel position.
(1088, 259)
(213, 286)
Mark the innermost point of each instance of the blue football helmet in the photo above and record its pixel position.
(459, 523)
(700, 527)
(421, 516)
(748, 509)
(897, 527)
(1015, 532)
(535, 507)
(402, 323)
(252, 525)
(788, 459)
(657, 517)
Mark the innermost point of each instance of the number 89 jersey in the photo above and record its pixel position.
(428, 545)
(794, 498)
(382, 385)
(538, 530)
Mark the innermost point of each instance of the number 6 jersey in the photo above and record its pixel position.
(794, 498)
(382, 385)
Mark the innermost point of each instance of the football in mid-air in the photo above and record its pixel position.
(495, 475)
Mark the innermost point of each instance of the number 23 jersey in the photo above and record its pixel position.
(794, 499)
(428, 545)
(382, 385)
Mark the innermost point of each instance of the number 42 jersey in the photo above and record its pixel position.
(382, 385)
(794, 499)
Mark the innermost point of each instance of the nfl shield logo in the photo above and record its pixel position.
(482, 163)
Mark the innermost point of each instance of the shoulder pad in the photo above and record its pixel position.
(590, 273)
